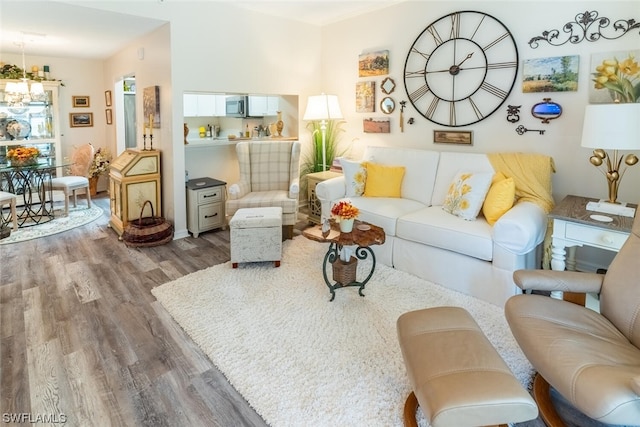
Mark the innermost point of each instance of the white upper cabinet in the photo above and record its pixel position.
(203, 105)
(262, 105)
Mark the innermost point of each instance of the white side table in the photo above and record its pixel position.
(573, 226)
(205, 205)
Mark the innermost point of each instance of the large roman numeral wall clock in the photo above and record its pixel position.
(461, 68)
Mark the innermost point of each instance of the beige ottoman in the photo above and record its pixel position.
(256, 235)
(458, 378)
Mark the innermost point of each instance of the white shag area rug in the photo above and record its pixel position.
(299, 359)
(78, 216)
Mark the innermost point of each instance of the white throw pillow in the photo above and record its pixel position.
(355, 176)
(466, 194)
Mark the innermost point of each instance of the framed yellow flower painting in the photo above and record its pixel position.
(615, 77)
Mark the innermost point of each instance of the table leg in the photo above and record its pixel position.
(333, 255)
(558, 256)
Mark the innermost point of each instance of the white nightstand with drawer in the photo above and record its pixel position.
(205, 205)
(574, 225)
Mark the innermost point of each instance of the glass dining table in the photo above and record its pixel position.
(32, 185)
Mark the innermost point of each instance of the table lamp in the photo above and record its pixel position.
(322, 108)
(612, 127)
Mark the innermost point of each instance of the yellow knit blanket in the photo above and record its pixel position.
(531, 173)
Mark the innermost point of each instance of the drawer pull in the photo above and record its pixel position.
(210, 195)
(211, 216)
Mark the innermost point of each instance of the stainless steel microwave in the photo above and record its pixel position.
(236, 106)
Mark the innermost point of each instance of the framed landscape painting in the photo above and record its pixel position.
(555, 74)
(373, 64)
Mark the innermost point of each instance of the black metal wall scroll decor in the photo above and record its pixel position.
(587, 26)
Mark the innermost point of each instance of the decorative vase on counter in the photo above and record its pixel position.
(186, 132)
(279, 123)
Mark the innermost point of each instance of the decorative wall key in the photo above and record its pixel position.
(522, 130)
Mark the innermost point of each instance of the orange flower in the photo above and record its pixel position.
(344, 210)
(23, 153)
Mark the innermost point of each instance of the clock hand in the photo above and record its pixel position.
(468, 56)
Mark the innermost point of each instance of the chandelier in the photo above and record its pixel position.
(18, 94)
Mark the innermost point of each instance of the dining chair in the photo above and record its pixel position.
(9, 199)
(78, 179)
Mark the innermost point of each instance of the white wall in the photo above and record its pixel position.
(218, 47)
(395, 28)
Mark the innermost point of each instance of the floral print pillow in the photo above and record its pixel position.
(355, 177)
(466, 194)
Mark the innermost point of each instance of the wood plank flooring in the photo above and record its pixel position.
(83, 341)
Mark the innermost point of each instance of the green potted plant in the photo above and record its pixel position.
(312, 161)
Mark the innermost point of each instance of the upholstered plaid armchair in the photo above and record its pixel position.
(269, 177)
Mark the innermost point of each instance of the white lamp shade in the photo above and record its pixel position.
(612, 126)
(322, 107)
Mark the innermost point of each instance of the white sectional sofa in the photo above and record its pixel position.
(469, 256)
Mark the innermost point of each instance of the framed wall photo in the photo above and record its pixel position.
(78, 120)
(373, 64)
(80, 101)
(453, 137)
(107, 98)
(109, 115)
(376, 125)
(151, 105)
(365, 97)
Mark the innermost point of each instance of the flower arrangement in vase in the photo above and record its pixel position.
(100, 163)
(345, 214)
(23, 156)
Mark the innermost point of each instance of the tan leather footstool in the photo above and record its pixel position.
(457, 377)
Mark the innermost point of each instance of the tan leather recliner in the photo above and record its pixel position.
(592, 359)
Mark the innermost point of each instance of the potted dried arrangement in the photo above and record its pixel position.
(99, 166)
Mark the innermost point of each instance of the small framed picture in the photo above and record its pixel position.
(463, 137)
(109, 115)
(80, 101)
(107, 98)
(78, 120)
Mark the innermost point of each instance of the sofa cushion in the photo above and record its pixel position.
(499, 199)
(451, 163)
(466, 194)
(384, 211)
(420, 169)
(435, 227)
(383, 180)
(355, 176)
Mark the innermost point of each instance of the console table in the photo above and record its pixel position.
(574, 225)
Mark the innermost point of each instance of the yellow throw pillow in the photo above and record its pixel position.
(383, 181)
(499, 199)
